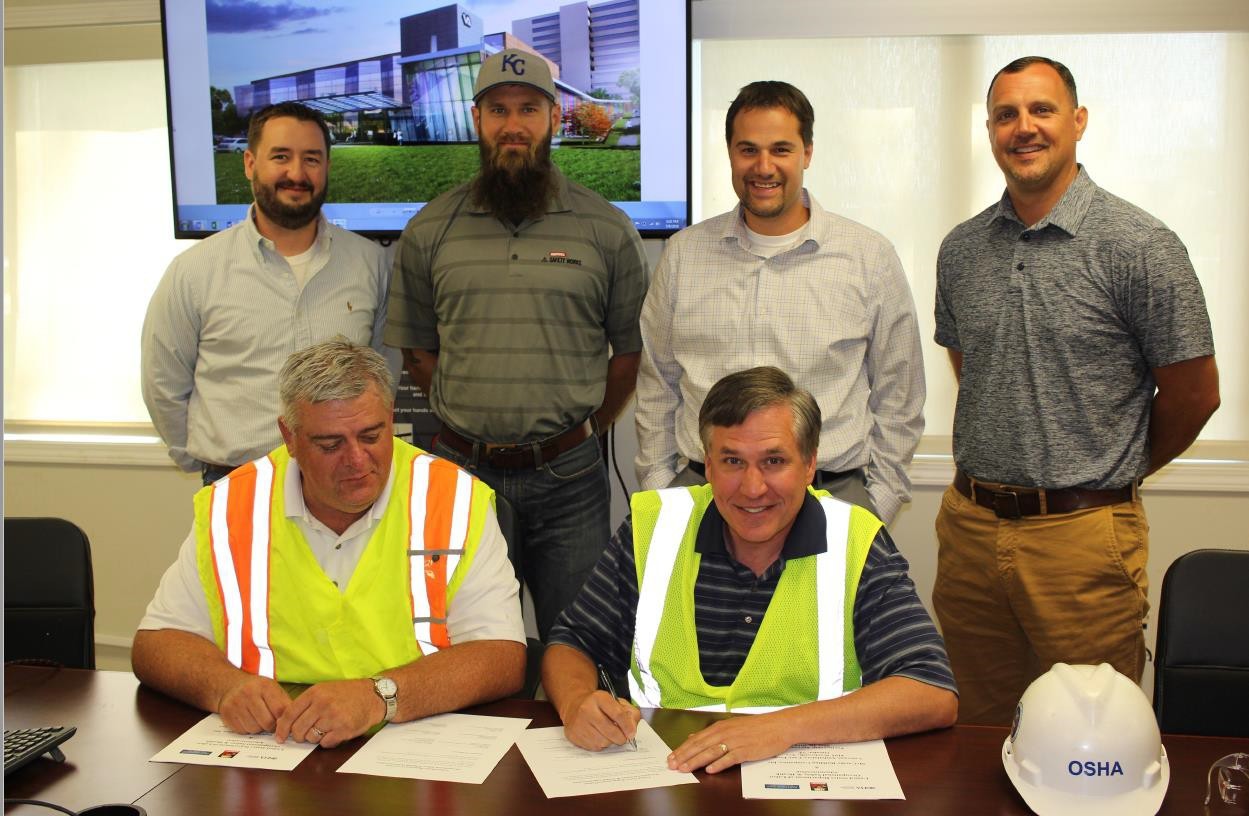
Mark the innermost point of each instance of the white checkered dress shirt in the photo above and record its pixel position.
(834, 312)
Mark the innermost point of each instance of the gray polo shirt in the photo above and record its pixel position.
(521, 317)
(1060, 326)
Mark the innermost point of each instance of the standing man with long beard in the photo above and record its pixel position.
(515, 299)
(231, 309)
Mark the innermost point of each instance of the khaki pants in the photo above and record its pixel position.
(1013, 597)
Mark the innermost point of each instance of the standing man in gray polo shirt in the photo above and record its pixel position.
(1079, 333)
(515, 301)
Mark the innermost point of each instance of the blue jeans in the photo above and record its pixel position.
(562, 522)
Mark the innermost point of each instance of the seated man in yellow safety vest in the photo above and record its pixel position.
(348, 560)
(752, 593)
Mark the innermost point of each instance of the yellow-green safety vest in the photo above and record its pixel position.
(276, 613)
(804, 649)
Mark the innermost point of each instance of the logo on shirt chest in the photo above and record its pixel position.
(561, 257)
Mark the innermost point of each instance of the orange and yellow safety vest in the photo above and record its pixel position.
(276, 613)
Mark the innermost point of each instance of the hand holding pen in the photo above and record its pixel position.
(606, 684)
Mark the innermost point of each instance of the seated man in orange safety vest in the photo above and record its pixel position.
(752, 593)
(347, 560)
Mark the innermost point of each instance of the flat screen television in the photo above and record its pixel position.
(394, 80)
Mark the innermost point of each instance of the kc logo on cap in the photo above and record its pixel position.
(514, 63)
(514, 67)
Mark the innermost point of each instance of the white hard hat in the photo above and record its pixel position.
(1085, 741)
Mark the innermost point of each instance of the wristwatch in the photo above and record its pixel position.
(389, 692)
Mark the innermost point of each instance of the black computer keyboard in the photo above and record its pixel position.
(22, 745)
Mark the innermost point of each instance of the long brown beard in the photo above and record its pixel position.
(515, 186)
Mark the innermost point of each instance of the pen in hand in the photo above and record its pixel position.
(608, 687)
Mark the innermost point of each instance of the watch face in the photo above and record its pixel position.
(386, 687)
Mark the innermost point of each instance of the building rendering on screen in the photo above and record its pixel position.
(424, 92)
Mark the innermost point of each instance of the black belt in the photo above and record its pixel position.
(212, 472)
(1012, 502)
(513, 456)
(820, 475)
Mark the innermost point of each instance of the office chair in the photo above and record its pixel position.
(49, 593)
(533, 647)
(1201, 671)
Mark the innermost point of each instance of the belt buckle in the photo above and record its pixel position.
(1006, 504)
(498, 457)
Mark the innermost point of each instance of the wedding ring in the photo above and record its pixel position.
(320, 734)
(724, 749)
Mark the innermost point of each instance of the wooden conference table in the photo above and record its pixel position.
(120, 725)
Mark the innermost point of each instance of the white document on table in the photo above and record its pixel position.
(857, 770)
(447, 747)
(210, 742)
(563, 769)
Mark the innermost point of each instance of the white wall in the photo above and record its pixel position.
(742, 19)
(135, 518)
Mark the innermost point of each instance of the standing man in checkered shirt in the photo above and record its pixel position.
(779, 281)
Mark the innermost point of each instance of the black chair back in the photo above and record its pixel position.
(1201, 671)
(49, 593)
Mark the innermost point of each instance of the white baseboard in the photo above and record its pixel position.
(112, 652)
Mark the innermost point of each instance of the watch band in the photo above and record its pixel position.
(389, 692)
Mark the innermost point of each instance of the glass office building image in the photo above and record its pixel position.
(423, 93)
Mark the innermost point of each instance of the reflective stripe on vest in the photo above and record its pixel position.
(241, 518)
(676, 508)
(830, 581)
(438, 532)
(241, 562)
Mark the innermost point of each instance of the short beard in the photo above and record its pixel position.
(515, 186)
(287, 216)
(762, 211)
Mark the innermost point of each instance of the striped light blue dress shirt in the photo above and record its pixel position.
(223, 320)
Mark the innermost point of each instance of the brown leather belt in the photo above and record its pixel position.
(1011, 502)
(513, 456)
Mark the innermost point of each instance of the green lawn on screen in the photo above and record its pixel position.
(362, 173)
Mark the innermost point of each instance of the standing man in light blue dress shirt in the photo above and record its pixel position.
(231, 309)
(779, 281)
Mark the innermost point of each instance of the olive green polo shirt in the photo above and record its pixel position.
(523, 318)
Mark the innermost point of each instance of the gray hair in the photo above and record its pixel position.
(737, 396)
(333, 370)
